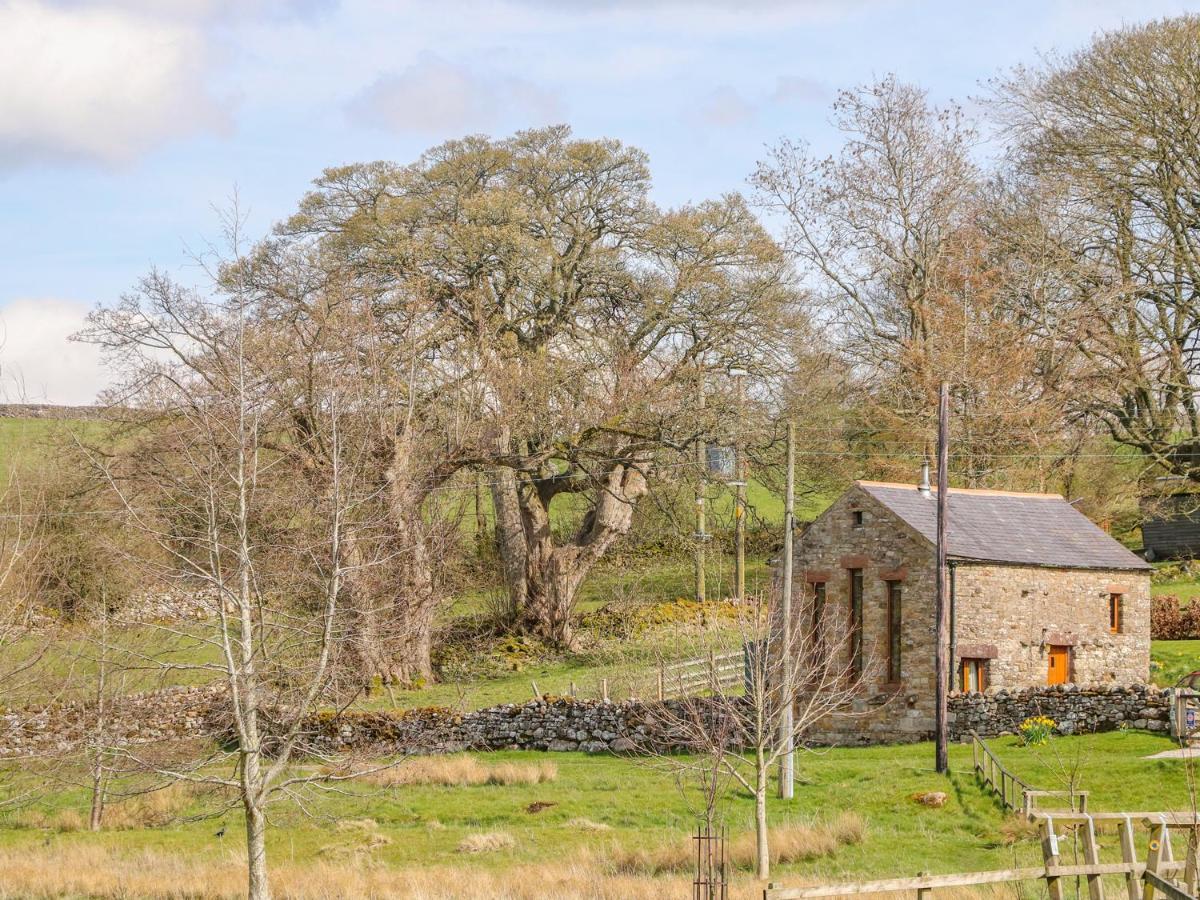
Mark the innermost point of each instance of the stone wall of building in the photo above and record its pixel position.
(1015, 613)
(1007, 615)
(886, 550)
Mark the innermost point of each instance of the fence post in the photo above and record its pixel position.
(661, 677)
(604, 689)
(1050, 856)
(1129, 857)
(1158, 837)
(1091, 856)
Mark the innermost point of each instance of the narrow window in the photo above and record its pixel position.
(818, 610)
(856, 623)
(858, 518)
(1114, 613)
(817, 637)
(973, 675)
(893, 634)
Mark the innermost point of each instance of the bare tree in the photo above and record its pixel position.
(1105, 154)
(737, 731)
(227, 514)
(25, 633)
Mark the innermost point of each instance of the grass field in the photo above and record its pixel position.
(601, 809)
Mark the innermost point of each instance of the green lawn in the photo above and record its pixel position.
(641, 804)
(1171, 660)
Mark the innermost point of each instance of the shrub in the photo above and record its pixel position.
(1036, 730)
(1170, 620)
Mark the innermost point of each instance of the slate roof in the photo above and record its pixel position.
(1006, 527)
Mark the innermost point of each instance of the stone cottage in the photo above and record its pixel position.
(1039, 595)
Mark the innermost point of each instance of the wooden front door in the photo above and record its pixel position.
(1060, 664)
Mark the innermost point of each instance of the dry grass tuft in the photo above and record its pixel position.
(587, 825)
(463, 771)
(153, 810)
(670, 857)
(487, 842)
(795, 842)
(357, 838)
(848, 828)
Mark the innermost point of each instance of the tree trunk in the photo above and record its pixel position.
(511, 542)
(259, 887)
(391, 631)
(760, 816)
(552, 585)
(546, 582)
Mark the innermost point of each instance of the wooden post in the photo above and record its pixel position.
(1091, 856)
(942, 760)
(739, 502)
(661, 677)
(1051, 857)
(1129, 857)
(701, 475)
(1159, 839)
(604, 689)
(572, 690)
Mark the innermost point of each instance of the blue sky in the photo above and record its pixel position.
(124, 123)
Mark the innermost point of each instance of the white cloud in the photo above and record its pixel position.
(97, 85)
(799, 89)
(39, 362)
(213, 10)
(435, 96)
(726, 108)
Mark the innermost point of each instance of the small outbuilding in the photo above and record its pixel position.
(1039, 595)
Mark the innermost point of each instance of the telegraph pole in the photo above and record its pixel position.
(701, 534)
(940, 664)
(787, 768)
(739, 502)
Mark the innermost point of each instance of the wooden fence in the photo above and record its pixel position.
(705, 673)
(1015, 793)
(1160, 873)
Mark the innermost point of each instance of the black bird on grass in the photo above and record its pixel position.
(220, 833)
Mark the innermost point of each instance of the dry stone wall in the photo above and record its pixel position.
(1077, 710)
(561, 724)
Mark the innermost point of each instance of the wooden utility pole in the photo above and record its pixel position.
(739, 502)
(701, 534)
(941, 640)
(787, 761)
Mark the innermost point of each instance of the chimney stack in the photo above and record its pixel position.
(924, 487)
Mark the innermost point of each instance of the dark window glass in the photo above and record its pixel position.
(856, 623)
(893, 632)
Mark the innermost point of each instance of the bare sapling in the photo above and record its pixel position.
(736, 729)
(233, 519)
